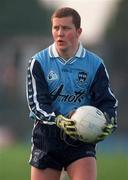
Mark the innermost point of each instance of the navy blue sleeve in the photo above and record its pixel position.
(102, 96)
(39, 100)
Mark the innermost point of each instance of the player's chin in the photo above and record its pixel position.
(62, 48)
(61, 44)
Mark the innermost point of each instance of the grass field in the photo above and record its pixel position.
(14, 165)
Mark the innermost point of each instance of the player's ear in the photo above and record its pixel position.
(79, 31)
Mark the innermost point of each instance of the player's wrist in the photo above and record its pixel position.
(45, 120)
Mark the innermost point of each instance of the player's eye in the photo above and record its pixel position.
(56, 27)
(66, 28)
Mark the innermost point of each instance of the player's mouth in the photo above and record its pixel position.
(60, 42)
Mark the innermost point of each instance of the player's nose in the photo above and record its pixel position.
(60, 32)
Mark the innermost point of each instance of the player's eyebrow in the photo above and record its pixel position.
(63, 26)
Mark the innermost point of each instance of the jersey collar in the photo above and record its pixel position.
(79, 54)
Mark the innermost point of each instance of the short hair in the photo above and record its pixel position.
(66, 12)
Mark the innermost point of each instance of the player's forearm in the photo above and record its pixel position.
(39, 100)
(103, 97)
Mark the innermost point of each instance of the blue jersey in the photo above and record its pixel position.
(57, 86)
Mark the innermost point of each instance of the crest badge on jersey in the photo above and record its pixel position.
(52, 76)
(82, 76)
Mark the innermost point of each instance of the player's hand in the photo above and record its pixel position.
(111, 125)
(67, 125)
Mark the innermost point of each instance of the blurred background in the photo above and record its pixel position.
(25, 29)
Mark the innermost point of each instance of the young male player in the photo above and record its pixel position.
(60, 79)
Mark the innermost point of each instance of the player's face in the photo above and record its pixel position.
(65, 35)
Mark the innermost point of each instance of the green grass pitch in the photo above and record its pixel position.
(14, 164)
